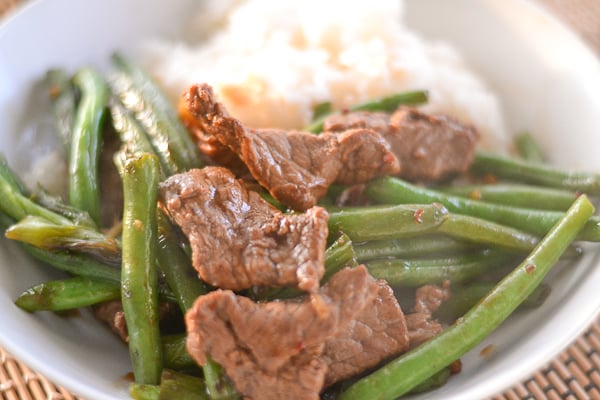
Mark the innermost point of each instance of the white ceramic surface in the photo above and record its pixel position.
(548, 82)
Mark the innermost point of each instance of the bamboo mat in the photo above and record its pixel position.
(573, 375)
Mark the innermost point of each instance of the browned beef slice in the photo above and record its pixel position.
(429, 146)
(273, 350)
(215, 152)
(421, 326)
(378, 121)
(238, 240)
(111, 313)
(296, 167)
(379, 331)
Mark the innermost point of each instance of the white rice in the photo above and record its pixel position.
(271, 61)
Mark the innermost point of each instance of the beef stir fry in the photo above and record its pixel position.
(287, 263)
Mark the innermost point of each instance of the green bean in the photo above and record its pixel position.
(178, 386)
(376, 223)
(63, 100)
(528, 147)
(139, 286)
(55, 204)
(221, 388)
(133, 137)
(410, 247)
(396, 191)
(17, 205)
(10, 179)
(38, 232)
(176, 267)
(417, 272)
(175, 353)
(383, 104)
(480, 231)
(435, 381)
(67, 294)
(408, 370)
(75, 264)
(466, 296)
(144, 392)
(535, 173)
(86, 142)
(393, 222)
(155, 113)
(322, 109)
(516, 195)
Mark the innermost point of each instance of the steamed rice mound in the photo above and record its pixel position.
(271, 61)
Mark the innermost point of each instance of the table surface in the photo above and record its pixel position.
(574, 374)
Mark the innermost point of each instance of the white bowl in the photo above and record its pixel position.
(548, 82)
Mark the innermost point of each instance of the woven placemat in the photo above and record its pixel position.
(573, 375)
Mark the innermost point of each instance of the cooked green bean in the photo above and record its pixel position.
(221, 388)
(131, 134)
(144, 392)
(55, 204)
(376, 223)
(16, 203)
(86, 142)
(38, 232)
(540, 174)
(528, 148)
(538, 222)
(68, 294)
(322, 109)
(410, 369)
(156, 114)
(480, 231)
(466, 296)
(176, 267)
(178, 386)
(410, 247)
(175, 353)
(417, 272)
(435, 381)
(383, 104)
(406, 220)
(516, 195)
(139, 286)
(63, 100)
(75, 264)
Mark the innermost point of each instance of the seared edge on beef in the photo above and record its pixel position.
(429, 146)
(273, 350)
(421, 325)
(238, 240)
(378, 332)
(295, 167)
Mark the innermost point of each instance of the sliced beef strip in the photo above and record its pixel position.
(215, 152)
(273, 350)
(429, 146)
(378, 332)
(421, 325)
(238, 240)
(295, 167)
(111, 313)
